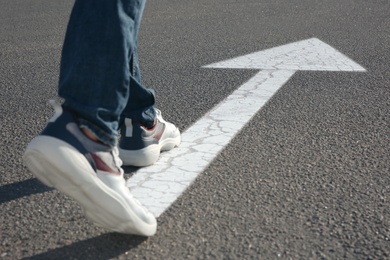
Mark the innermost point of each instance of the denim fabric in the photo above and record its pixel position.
(99, 74)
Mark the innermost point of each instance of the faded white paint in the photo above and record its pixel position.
(159, 185)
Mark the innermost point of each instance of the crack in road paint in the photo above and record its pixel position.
(159, 185)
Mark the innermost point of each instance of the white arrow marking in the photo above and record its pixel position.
(311, 54)
(159, 185)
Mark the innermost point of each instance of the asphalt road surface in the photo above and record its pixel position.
(306, 178)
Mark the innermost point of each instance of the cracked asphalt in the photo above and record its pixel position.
(307, 177)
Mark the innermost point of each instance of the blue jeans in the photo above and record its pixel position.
(99, 73)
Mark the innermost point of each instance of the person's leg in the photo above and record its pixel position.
(140, 104)
(96, 66)
(144, 133)
(95, 82)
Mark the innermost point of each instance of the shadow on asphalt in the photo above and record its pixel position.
(130, 170)
(105, 246)
(21, 189)
(32, 186)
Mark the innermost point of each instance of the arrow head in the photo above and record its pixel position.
(311, 54)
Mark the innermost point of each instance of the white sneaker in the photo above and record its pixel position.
(64, 158)
(139, 146)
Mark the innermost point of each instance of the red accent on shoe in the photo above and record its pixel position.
(158, 135)
(102, 166)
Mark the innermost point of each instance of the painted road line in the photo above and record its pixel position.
(159, 185)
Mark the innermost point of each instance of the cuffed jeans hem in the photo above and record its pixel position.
(110, 140)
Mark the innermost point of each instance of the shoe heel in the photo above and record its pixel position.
(35, 163)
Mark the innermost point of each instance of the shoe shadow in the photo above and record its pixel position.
(105, 246)
(32, 186)
(21, 189)
(130, 170)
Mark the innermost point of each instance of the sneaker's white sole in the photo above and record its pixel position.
(58, 164)
(148, 155)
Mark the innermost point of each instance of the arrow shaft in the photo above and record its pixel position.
(159, 185)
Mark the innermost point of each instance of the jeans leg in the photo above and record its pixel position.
(140, 105)
(95, 73)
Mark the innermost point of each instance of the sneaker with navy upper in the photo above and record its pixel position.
(140, 146)
(90, 172)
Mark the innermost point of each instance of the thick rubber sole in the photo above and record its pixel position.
(148, 155)
(58, 164)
